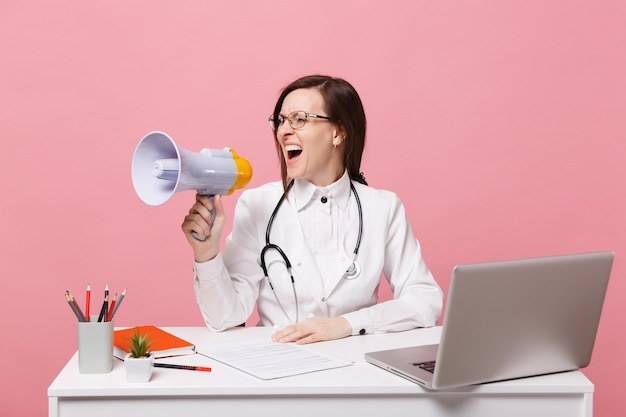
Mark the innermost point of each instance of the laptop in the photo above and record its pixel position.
(510, 319)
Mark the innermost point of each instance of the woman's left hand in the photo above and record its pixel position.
(314, 330)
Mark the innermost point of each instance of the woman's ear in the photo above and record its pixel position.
(338, 136)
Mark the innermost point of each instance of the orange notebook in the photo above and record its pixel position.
(163, 343)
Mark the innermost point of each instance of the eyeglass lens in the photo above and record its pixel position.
(296, 120)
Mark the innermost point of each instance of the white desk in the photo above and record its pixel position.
(361, 389)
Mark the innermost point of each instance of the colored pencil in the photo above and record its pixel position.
(80, 312)
(105, 305)
(88, 302)
(185, 367)
(69, 302)
(117, 305)
(111, 307)
(106, 302)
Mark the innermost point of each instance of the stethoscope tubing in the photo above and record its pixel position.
(351, 273)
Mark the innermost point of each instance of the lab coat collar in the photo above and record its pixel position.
(304, 192)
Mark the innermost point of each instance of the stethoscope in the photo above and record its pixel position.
(352, 272)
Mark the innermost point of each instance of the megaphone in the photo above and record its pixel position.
(160, 169)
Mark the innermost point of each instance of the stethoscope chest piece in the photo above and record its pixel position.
(353, 271)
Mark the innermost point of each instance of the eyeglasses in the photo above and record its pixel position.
(296, 119)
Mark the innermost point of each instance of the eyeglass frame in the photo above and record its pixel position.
(306, 116)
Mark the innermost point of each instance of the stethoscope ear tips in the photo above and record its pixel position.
(353, 271)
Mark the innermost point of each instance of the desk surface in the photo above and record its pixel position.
(360, 380)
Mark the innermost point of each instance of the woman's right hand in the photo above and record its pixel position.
(201, 221)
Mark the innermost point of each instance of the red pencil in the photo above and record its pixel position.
(88, 302)
(111, 307)
(119, 301)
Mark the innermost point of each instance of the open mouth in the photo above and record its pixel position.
(293, 151)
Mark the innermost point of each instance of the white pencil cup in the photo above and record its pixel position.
(95, 346)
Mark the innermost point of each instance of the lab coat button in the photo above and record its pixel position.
(324, 200)
(323, 299)
(362, 332)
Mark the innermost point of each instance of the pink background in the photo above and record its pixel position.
(501, 124)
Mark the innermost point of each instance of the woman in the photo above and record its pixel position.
(319, 216)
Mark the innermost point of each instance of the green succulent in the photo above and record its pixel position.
(139, 344)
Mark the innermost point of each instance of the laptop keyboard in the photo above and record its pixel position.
(427, 366)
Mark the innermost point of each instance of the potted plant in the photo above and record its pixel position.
(139, 361)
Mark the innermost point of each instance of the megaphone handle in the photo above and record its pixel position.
(197, 236)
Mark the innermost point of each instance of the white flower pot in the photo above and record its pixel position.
(138, 369)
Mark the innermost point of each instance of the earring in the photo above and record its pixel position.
(336, 142)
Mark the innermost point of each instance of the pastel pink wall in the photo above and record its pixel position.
(501, 124)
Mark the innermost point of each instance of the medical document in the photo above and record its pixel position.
(265, 359)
